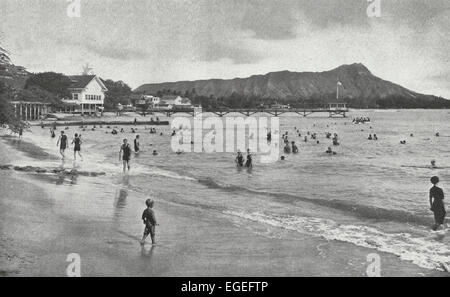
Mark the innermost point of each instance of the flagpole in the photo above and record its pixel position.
(337, 91)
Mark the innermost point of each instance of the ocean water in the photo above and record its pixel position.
(371, 193)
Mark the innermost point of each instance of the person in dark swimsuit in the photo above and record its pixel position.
(63, 144)
(136, 144)
(294, 148)
(239, 159)
(149, 220)
(249, 162)
(437, 203)
(125, 155)
(77, 146)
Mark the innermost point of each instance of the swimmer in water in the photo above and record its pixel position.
(437, 203)
(77, 146)
(287, 148)
(330, 151)
(249, 162)
(239, 159)
(294, 148)
(63, 144)
(155, 153)
(136, 144)
(125, 155)
(433, 164)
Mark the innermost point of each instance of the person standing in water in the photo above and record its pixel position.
(149, 220)
(249, 162)
(63, 144)
(136, 144)
(239, 159)
(125, 155)
(77, 146)
(437, 203)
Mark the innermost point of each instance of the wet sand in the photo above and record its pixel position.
(41, 225)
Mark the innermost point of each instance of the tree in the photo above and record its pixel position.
(118, 92)
(7, 115)
(4, 56)
(52, 82)
(37, 94)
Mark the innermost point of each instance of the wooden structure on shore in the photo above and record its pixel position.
(333, 109)
(29, 111)
(103, 122)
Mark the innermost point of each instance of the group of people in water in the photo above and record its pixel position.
(240, 159)
(63, 144)
(374, 137)
(361, 120)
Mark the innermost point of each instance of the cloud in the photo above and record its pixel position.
(113, 51)
(217, 51)
(162, 40)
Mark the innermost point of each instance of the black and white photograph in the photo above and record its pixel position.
(204, 139)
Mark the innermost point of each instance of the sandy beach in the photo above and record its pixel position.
(45, 217)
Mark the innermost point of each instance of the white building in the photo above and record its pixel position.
(88, 93)
(171, 101)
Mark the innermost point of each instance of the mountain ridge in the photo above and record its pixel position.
(359, 86)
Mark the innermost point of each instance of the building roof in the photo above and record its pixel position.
(81, 81)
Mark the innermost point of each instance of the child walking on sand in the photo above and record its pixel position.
(149, 219)
(437, 203)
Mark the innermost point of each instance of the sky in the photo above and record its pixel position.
(137, 41)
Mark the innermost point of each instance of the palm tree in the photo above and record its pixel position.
(4, 56)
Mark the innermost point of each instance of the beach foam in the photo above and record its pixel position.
(422, 251)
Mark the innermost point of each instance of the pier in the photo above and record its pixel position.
(332, 109)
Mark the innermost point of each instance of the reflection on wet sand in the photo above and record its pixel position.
(120, 199)
(147, 253)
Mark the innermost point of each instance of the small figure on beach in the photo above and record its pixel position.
(52, 133)
(125, 155)
(149, 220)
(63, 144)
(136, 144)
(135, 121)
(437, 203)
(20, 132)
(77, 146)
(433, 164)
(269, 136)
(155, 153)
(370, 137)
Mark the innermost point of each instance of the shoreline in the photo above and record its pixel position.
(192, 242)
